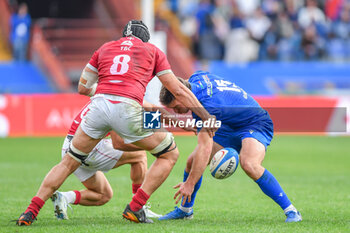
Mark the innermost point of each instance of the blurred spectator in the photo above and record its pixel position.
(271, 8)
(341, 27)
(240, 47)
(339, 38)
(258, 24)
(209, 45)
(221, 16)
(310, 44)
(237, 17)
(291, 8)
(310, 14)
(288, 47)
(248, 7)
(20, 32)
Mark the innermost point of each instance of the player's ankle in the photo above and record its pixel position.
(290, 208)
(135, 187)
(139, 200)
(186, 209)
(35, 205)
(70, 196)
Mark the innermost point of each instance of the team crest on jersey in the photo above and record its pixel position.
(126, 45)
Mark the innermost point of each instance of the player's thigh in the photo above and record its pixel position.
(132, 157)
(65, 146)
(84, 142)
(151, 141)
(99, 183)
(125, 118)
(252, 151)
(160, 144)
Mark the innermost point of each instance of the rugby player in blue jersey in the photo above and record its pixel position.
(246, 127)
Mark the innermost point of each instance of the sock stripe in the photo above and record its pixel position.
(35, 205)
(139, 200)
(77, 198)
(135, 187)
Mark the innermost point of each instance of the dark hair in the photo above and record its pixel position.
(166, 97)
(138, 29)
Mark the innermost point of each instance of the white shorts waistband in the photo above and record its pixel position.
(117, 98)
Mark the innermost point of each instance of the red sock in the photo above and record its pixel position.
(138, 200)
(77, 197)
(135, 187)
(35, 205)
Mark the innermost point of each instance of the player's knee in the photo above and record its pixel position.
(69, 163)
(166, 148)
(143, 158)
(141, 162)
(77, 154)
(106, 196)
(173, 155)
(249, 166)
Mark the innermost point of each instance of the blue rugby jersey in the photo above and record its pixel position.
(228, 102)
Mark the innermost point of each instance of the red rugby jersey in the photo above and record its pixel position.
(77, 120)
(126, 66)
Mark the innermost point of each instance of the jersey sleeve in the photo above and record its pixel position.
(93, 63)
(162, 65)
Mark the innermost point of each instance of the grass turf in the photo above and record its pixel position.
(313, 170)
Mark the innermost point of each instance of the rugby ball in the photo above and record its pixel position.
(224, 163)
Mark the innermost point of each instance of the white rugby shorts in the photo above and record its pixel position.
(102, 158)
(120, 114)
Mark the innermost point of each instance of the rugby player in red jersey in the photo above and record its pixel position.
(122, 69)
(101, 159)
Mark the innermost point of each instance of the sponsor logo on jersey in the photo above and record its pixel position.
(209, 85)
(126, 45)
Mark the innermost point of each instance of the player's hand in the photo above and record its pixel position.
(185, 191)
(190, 129)
(211, 129)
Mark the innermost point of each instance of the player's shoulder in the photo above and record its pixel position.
(152, 47)
(200, 74)
(104, 46)
(108, 44)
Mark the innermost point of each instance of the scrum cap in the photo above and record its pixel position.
(138, 29)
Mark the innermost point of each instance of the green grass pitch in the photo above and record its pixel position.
(313, 170)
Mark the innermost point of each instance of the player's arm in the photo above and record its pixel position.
(118, 143)
(88, 82)
(201, 155)
(186, 97)
(167, 116)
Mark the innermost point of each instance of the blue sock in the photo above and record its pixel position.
(270, 186)
(195, 190)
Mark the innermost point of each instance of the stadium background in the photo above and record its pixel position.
(293, 56)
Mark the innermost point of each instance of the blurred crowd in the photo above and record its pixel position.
(248, 30)
(20, 23)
